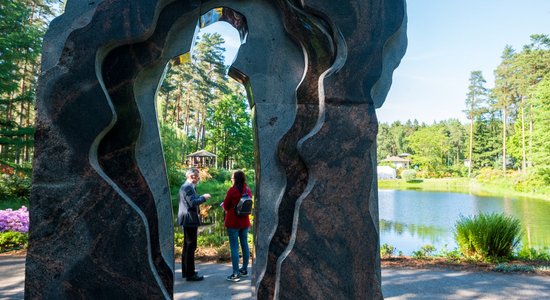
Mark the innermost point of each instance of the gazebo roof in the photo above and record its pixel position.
(202, 153)
(395, 159)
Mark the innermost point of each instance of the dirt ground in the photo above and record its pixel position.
(401, 262)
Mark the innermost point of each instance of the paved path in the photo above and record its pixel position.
(397, 284)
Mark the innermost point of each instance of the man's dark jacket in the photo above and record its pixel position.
(188, 210)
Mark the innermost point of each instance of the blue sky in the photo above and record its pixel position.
(448, 40)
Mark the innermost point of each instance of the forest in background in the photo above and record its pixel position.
(508, 133)
(199, 108)
(23, 23)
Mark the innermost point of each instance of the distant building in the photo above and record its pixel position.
(201, 159)
(398, 162)
(386, 172)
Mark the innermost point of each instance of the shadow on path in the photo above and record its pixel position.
(397, 284)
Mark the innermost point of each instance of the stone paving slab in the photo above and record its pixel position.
(397, 284)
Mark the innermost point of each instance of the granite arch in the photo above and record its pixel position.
(315, 71)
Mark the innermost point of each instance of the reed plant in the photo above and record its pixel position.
(488, 237)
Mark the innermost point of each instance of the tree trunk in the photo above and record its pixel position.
(178, 109)
(165, 110)
(203, 130)
(187, 108)
(523, 161)
(471, 147)
(504, 139)
(530, 161)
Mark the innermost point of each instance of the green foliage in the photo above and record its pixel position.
(429, 145)
(10, 240)
(425, 251)
(408, 175)
(210, 240)
(526, 253)
(22, 25)
(220, 175)
(510, 268)
(487, 143)
(230, 129)
(541, 132)
(387, 251)
(488, 236)
(14, 190)
(173, 142)
(452, 255)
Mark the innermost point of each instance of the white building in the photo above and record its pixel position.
(386, 172)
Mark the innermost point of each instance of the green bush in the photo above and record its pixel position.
(220, 175)
(16, 186)
(507, 268)
(10, 240)
(387, 251)
(487, 236)
(533, 254)
(210, 240)
(452, 255)
(424, 252)
(408, 175)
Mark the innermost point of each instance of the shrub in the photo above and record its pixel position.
(15, 186)
(387, 251)
(453, 255)
(17, 220)
(424, 252)
(10, 240)
(534, 254)
(223, 252)
(487, 236)
(220, 175)
(210, 240)
(408, 175)
(507, 268)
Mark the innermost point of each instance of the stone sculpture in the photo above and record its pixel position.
(101, 219)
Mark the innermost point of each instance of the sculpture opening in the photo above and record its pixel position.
(205, 122)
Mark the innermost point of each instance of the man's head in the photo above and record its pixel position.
(192, 175)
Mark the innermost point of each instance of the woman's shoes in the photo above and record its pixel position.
(234, 277)
(243, 272)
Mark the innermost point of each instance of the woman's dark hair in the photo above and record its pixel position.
(240, 180)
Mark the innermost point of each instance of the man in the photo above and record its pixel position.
(188, 218)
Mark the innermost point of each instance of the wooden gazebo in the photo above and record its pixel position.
(201, 159)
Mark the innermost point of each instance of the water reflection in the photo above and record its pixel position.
(411, 219)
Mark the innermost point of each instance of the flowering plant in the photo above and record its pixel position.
(14, 220)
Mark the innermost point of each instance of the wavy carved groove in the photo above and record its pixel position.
(319, 56)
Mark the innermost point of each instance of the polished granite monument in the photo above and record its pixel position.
(101, 218)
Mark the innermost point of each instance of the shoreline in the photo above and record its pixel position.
(457, 185)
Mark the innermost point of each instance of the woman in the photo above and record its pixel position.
(237, 227)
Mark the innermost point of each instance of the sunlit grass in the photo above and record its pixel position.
(488, 236)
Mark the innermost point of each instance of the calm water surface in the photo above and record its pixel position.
(412, 219)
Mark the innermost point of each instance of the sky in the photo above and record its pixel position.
(447, 40)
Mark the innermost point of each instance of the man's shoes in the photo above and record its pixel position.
(183, 274)
(195, 277)
(234, 277)
(243, 272)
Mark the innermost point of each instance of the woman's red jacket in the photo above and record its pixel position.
(231, 200)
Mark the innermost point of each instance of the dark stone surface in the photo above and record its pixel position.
(101, 218)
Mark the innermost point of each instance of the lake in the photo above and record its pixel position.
(412, 219)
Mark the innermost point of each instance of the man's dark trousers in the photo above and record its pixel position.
(189, 247)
